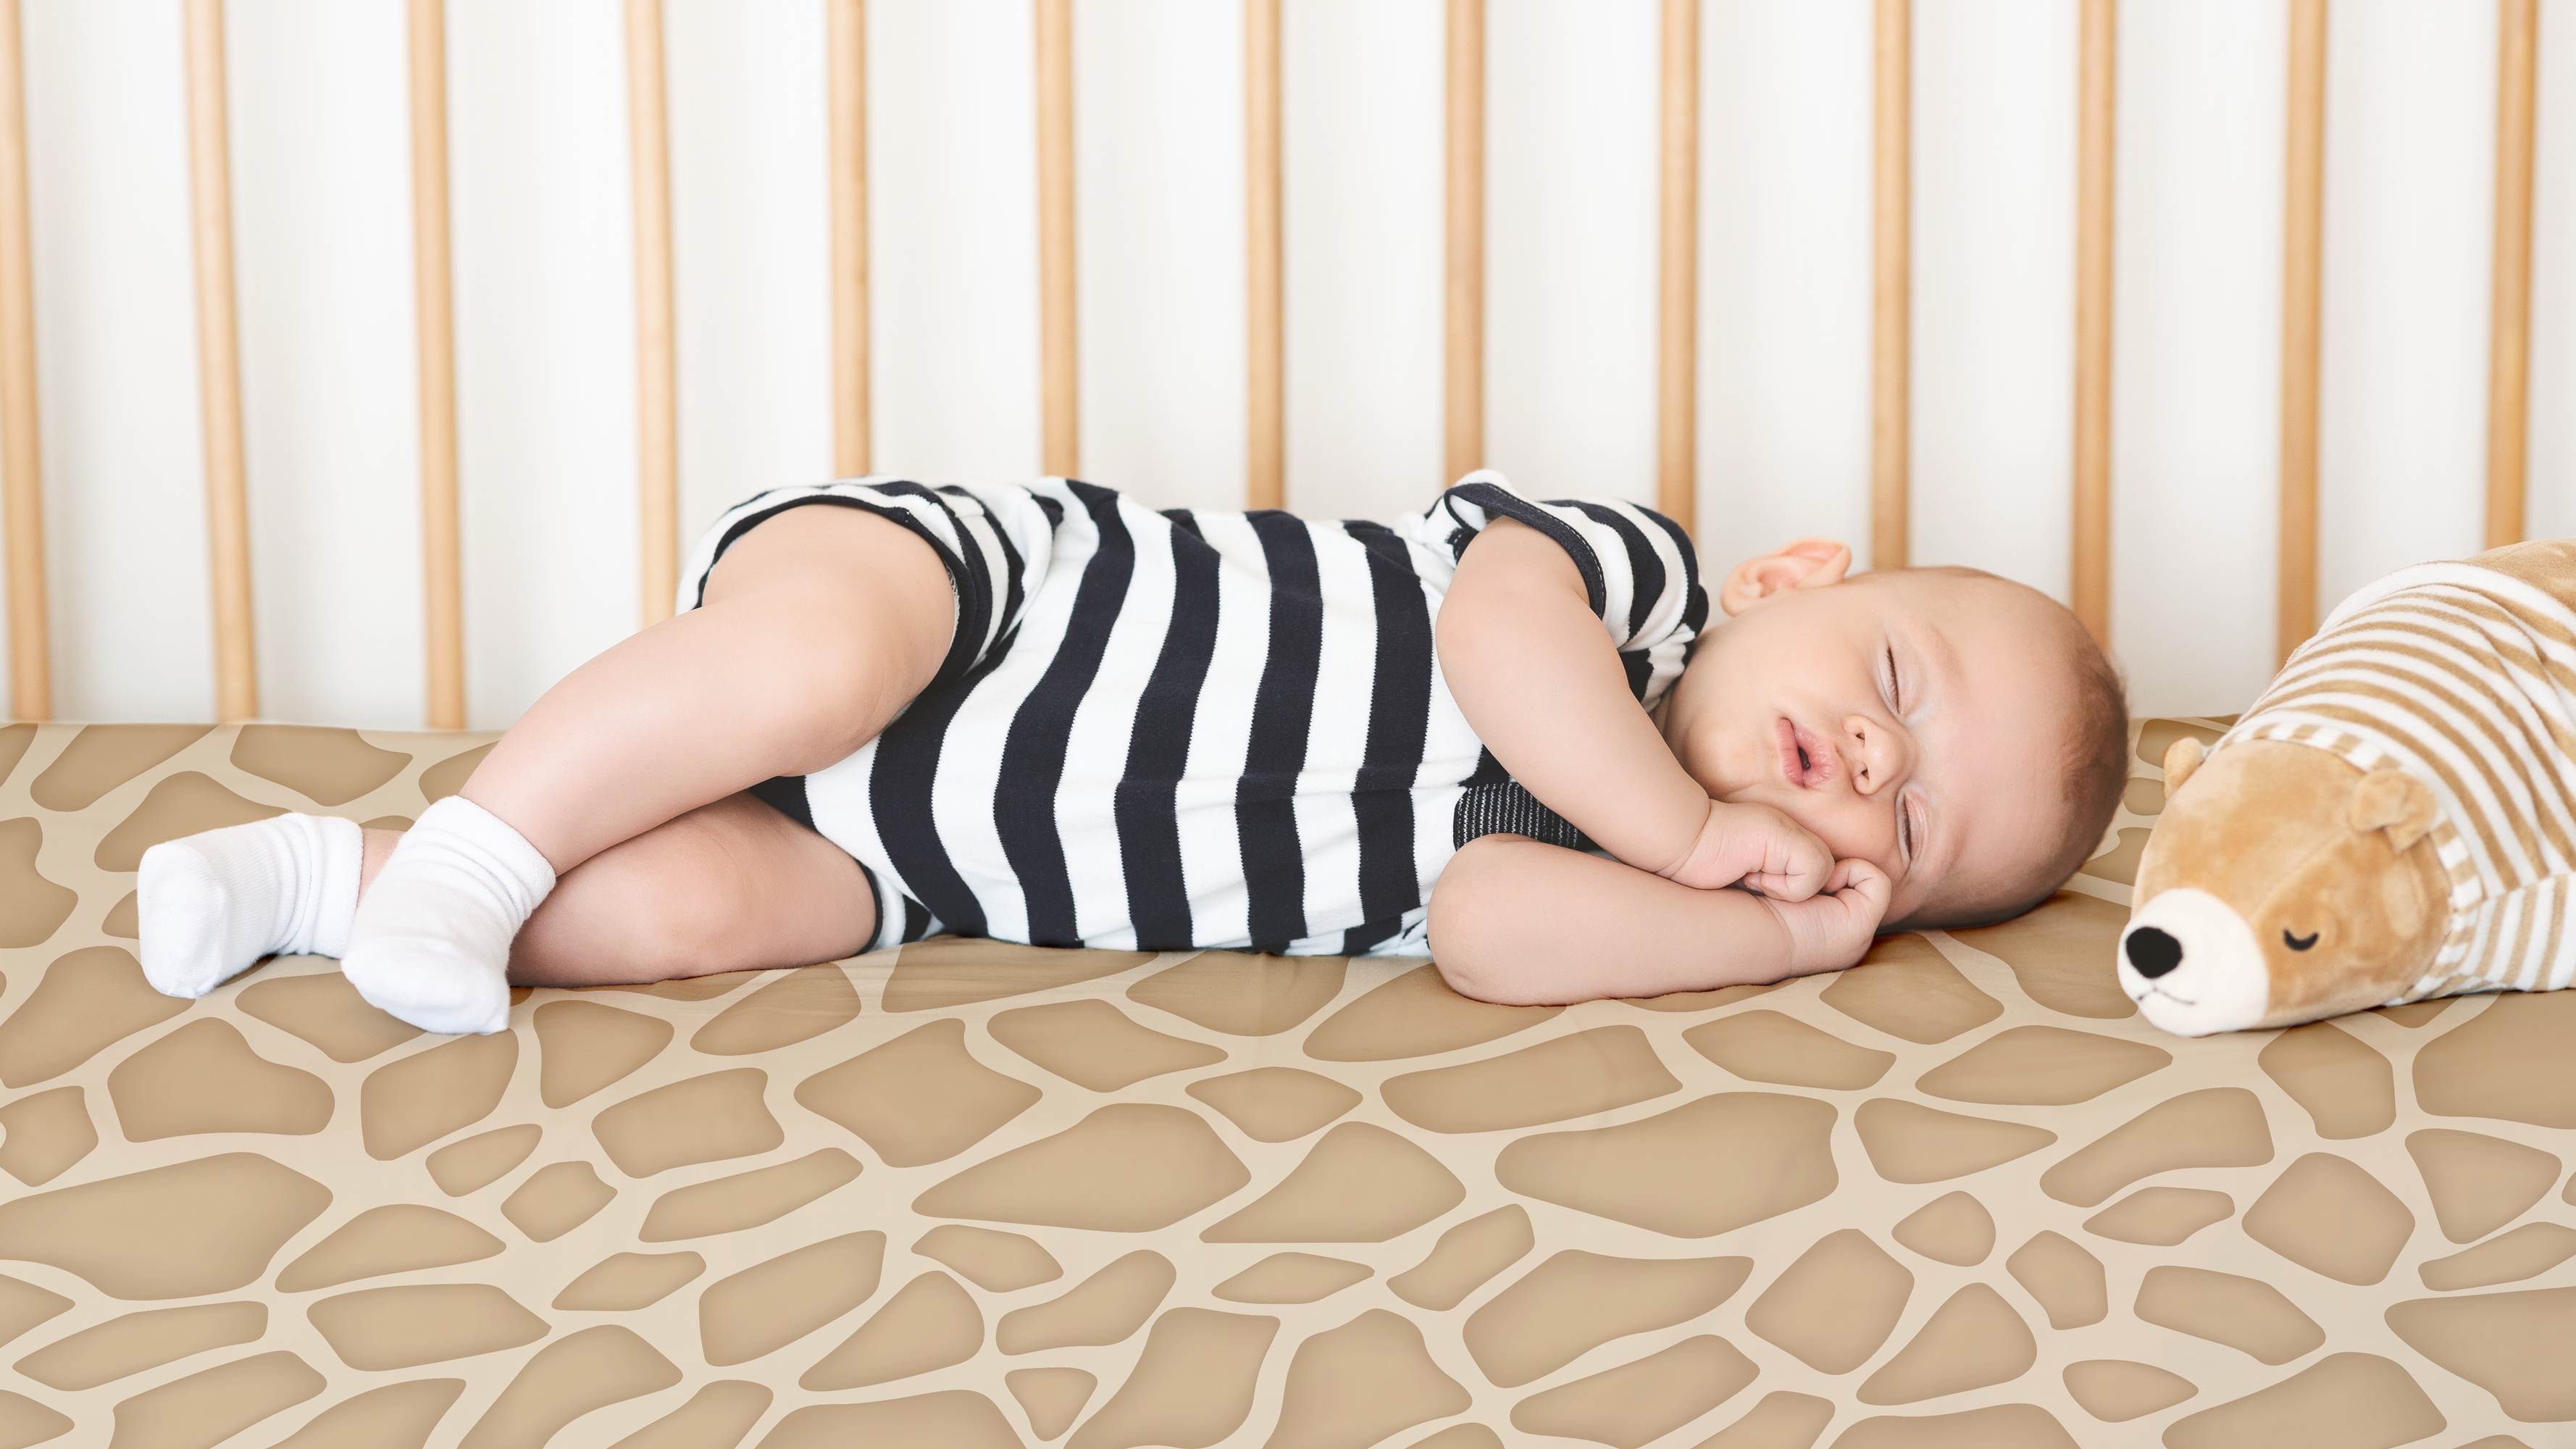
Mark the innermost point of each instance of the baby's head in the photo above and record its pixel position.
(1960, 731)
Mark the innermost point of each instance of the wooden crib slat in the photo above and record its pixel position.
(219, 366)
(847, 40)
(1677, 326)
(1463, 367)
(442, 565)
(2303, 248)
(22, 475)
(657, 381)
(2095, 201)
(2509, 334)
(1891, 292)
(1060, 410)
(1265, 481)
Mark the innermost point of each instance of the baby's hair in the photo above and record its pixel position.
(2094, 770)
(2096, 767)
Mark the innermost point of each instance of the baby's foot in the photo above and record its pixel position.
(431, 942)
(210, 904)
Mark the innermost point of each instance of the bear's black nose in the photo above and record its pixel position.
(2152, 952)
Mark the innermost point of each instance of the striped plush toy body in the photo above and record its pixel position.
(2394, 819)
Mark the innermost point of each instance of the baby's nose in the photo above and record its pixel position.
(1877, 753)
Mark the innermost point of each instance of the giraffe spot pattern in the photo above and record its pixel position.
(624, 1282)
(2117, 1390)
(395, 1238)
(1953, 1228)
(1972, 1340)
(1577, 1301)
(2161, 1216)
(2246, 1314)
(1465, 1257)
(44, 1133)
(1275, 1104)
(1361, 1383)
(1192, 1383)
(482, 1159)
(2344, 1398)
(556, 1199)
(2525, 1252)
(1104, 1308)
(122, 1347)
(1291, 1278)
(204, 1077)
(1052, 1397)
(996, 1262)
(214, 1404)
(766, 1307)
(976, 1194)
(1638, 1402)
(32, 908)
(325, 766)
(405, 1327)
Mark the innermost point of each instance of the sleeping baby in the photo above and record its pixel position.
(1508, 734)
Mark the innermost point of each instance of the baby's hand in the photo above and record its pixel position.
(1832, 929)
(1758, 847)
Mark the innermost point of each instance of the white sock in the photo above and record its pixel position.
(210, 904)
(431, 942)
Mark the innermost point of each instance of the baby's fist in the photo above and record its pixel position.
(1833, 928)
(1758, 847)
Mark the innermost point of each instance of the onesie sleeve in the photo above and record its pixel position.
(993, 539)
(1640, 575)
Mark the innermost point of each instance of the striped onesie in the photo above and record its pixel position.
(2465, 674)
(1176, 730)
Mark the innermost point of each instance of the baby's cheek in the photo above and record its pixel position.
(1852, 832)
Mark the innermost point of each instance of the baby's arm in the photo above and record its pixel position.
(1520, 922)
(1542, 685)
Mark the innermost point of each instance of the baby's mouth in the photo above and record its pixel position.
(1805, 760)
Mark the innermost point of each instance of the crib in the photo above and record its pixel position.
(970, 1193)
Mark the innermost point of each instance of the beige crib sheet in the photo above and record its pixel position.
(967, 1194)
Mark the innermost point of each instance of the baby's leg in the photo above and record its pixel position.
(819, 625)
(732, 886)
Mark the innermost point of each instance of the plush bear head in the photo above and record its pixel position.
(2282, 884)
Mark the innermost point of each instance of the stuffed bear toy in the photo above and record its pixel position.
(2394, 819)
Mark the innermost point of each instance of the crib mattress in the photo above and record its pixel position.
(970, 1194)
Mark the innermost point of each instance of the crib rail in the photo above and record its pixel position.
(657, 364)
(2509, 331)
(22, 508)
(210, 194)
(1677, 267)
(1463, 431)
(1891, 322)
(2303, 210)
(2096, 118)
(1264, 265)
(442, 551)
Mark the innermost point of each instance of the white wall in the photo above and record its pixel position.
(2196, 392)
(544, 281)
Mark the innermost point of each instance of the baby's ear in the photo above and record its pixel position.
(1801, 563)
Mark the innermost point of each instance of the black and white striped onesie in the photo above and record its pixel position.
(1162, 731)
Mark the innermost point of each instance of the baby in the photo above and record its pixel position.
(1505, 733)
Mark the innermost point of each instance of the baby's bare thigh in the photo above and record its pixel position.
(732, 886)
(845, 556)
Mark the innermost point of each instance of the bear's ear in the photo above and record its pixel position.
(2181, 758)
(2389, 798)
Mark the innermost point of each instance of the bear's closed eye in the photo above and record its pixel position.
(2298, 943)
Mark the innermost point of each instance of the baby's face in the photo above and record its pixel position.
(1916, 721)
